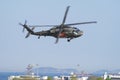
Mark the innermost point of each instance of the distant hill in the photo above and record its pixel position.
(49, 70)
(101, 72)
(55, 70)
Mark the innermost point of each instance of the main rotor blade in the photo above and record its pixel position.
(58, 35)
(61, 26)
(82, 23)
(66, 12)
(42, 25)
(56, 40)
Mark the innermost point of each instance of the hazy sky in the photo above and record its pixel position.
(98, 48)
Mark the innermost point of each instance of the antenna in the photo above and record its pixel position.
(29, 69)
(37, 65)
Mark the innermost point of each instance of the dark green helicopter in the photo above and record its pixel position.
(58, 31)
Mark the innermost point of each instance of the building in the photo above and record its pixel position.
(111, 76)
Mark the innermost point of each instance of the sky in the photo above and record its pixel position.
(98, 48)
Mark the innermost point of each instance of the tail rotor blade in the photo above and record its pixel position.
(23, 30)
(25, 22)
(28, 34)
(23, 25)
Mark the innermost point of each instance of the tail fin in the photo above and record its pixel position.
(28, 34)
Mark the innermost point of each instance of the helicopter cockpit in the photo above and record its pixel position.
(77, 32)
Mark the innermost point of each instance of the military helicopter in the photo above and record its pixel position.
(58, 31)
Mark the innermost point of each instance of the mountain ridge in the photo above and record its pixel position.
(55, 70)
(69, 70)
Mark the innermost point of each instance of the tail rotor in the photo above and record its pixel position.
(25, 24)
(28, 34)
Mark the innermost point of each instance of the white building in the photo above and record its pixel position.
(112, 76)
(82, 78)
(24, 77)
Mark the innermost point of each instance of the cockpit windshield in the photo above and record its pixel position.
(76, 29)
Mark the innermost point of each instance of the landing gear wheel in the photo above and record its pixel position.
(38, 37)
(68, 40)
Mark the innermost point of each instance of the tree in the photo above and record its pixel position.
(73, 77)
(95, 78)
(99, 78)
(108, 78)
(49, 78)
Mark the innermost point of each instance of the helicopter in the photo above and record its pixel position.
(58, 31)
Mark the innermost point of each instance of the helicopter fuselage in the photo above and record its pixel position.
(67, 32)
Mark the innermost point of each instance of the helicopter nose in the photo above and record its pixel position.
(80, 33)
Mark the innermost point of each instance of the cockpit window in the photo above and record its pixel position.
(75, 32)
(76, 29)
